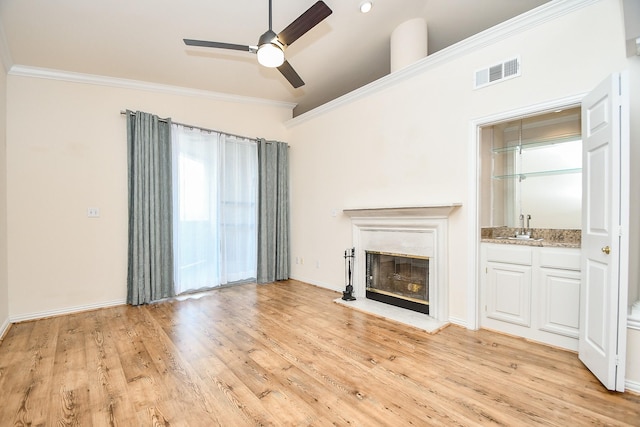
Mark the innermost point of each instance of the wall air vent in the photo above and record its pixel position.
(496, 73)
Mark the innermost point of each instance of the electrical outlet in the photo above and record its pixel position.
(93, 212)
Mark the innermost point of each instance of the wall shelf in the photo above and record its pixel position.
(542, 142)
(526, 175)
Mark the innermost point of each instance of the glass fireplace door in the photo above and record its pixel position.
(401, 280)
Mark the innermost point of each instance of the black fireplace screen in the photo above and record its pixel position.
(401, 280)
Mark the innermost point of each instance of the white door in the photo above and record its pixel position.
(605, 219)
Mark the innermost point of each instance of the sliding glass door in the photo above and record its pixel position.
(215, 209)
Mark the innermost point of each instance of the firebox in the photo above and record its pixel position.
(400, 280)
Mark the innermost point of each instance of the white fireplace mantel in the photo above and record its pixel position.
(408, 230)
(426, 211)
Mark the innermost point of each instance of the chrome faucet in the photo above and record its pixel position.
(524, 231)
(521, 232)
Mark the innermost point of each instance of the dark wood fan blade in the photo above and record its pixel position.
(309, 19)
(290, 74)
(204, 43)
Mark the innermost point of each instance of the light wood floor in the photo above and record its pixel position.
(286, 354)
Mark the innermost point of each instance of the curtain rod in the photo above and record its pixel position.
(200, 128)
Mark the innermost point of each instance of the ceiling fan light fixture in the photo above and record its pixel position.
(365, 6)
(270, 55)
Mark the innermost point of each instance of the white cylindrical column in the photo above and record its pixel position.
(408, 43)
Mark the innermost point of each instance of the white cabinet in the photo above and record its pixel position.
(559, 278)
(508, 270)
(533, 292)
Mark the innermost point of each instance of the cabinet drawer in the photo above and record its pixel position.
(566, 259)
(511, 254)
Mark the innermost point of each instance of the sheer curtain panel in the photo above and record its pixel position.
(215, 193)
(150, 269)
(273, 208)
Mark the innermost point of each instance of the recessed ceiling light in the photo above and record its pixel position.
(366, 6)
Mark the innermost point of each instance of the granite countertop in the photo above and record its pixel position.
(542, 237)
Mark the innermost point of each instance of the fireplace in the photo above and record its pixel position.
(397, 279)
(410, 244)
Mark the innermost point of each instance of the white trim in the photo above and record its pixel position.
(500, 32)
(66, 310)
(630, 385)
(67, 76)
(4, 328)
(633, 323)
(427, 211)
(473, 290)
(317, 283)
(458, 321)
(473, 226)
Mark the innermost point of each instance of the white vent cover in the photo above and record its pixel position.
(496, 73)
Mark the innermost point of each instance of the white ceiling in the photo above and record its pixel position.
(142, 40)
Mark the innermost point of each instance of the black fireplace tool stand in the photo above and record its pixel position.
(349, 255)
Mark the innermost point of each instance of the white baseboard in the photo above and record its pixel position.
(66, 310)
(633, 386)
(458, 321)
(4, 328)
(633, 323)
(329, 286)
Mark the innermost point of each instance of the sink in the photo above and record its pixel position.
(524, 237)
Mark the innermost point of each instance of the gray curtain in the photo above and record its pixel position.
(150, 271)
(273, 211)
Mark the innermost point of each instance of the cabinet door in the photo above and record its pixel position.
(509, 293)
(560, 301)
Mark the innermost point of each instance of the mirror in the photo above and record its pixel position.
(533, 166)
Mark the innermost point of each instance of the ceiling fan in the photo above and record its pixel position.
(271, 46)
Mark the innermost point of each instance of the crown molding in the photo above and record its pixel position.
(500, 32)
(68, 76)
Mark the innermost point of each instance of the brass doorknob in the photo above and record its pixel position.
(606, 250)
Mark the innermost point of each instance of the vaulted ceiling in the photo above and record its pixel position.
(142, 40)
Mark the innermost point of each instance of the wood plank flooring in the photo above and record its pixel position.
(285, 354)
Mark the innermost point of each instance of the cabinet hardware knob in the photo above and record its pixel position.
(606, 250)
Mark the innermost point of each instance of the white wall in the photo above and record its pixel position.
(66, 145)
(408, 144)
(4, 284)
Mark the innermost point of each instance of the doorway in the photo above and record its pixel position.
(605, 213)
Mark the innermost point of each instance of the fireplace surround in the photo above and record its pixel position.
(418, 232)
